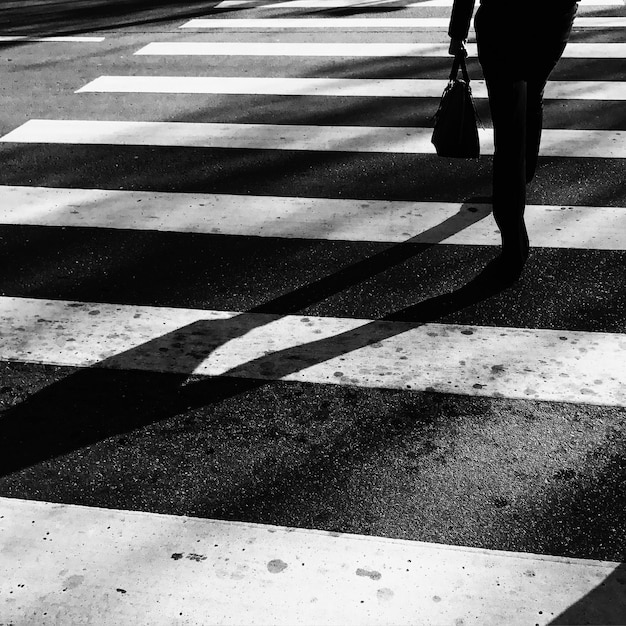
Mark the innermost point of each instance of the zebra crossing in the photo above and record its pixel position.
(325, 4)
(401, 140)
(300, 331)
(429, 23)
(395, 579)
(368, 353)
(586, 228)
(51, 39)
(351, 87)
(574, 50)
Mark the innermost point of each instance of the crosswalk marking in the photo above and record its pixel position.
(405, 140)
(139, 567)
(537, 364)
(448, 3)
(594, 228)
(213, 48)
(355, 87)
(311, 22)
(130, 567)
(57, 39)
(574, 50)
(231, 572)
(368, 22)
(322, 4)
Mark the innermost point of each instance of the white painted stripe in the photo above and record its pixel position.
(583, 90)
(227, 4)
(208, 48)
(300, 49)
(331, 4)
(344, 22)
(367, 22)
(357, 87)
(408, 140)
(551, 365)
(448, 3)
(68, 39)
(126, 567)
(595, 228)
(600, 22)
(308, 4)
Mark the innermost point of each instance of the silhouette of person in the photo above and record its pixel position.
(519, 45)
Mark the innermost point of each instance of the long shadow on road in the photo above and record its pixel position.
(49, 423)
(116, 396)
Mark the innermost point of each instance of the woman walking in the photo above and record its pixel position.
(518, 46)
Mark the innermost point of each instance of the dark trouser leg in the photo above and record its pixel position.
(507, 88)
(534, 125)
(508, 103)
(516, 64)
(550, 40)
(537, 77)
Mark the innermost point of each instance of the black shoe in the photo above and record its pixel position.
(503, 270)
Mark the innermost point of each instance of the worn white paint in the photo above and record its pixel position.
(330, 87)
(58, 39)
(329, 49)
(599, 22)
(293, 49)
(394, 88)
(594, 228)
(312, 22)
(406, 140)
(448, 3)
(66, 564)
(332, 4)
(555, 365)
(579, 90)
(349, 23)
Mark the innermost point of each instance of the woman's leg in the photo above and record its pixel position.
(534, 125)
(508, 103)
(517, 60)
(551, 42)
(507, 89)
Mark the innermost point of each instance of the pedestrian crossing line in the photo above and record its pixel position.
(367, 22)
(134, 567)
(340, 87)
(213, 48)
(311, 22)
(58, 39)
(338, 4)
(572, 227)
(519, 363)
(381, 139)
(448, 3)
(573, 50)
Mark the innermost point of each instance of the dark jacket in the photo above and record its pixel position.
(460, 19)
(462, 12)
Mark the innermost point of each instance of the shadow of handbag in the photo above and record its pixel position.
(456, 132)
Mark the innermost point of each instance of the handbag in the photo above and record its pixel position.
(456, 133)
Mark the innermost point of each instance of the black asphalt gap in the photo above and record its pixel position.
(577, 289)
(525, 476)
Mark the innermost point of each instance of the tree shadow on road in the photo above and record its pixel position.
(70, 17)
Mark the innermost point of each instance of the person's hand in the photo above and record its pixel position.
(457, 48)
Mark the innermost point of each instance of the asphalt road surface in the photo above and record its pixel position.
(234, 279)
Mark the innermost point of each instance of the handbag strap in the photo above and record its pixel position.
(459, 62)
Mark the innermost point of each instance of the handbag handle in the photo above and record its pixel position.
(459, 62)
